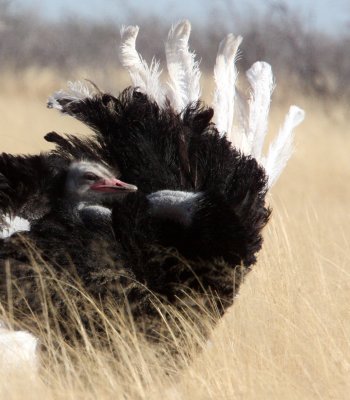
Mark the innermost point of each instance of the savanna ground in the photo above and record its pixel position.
(287, 335)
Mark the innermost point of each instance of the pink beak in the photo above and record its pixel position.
(113, 185)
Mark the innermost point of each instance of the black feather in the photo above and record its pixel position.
(155, 149)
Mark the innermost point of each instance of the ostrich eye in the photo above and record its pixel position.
(90, 176)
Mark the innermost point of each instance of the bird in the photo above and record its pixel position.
(191, 230)
(193, 225)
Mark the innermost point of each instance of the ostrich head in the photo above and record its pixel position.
(93, 182)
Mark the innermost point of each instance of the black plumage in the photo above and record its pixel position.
(204, 242)
(26, 183)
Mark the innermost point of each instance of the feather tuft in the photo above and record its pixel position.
(12, 225)
(143, 76)
(225, 75)
(77, 91)
(261, 81)
(183, 69)
(282, 147)
(18, 350)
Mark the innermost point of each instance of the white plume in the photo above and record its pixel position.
(184, 73)
(145, 77)
(260, 78)
(77, 90)
(225, 75)
(12, 225)
(242, 118)
(282, 147)
(239, 130)
(18, 351)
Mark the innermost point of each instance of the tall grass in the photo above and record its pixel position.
(286, 336)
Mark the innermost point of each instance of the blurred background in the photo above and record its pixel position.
(45, 43)
(306, 41)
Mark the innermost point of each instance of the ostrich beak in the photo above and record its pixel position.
(113, 185)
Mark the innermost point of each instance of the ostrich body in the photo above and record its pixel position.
(193, 228)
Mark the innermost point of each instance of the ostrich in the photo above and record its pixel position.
(186, 231)
(194, 225)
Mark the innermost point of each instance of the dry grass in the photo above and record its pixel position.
(286, 337)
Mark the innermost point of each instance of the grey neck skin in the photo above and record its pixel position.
(93, 209)
(175, 205)
(92, 198)
(93, 215)
(88, 213)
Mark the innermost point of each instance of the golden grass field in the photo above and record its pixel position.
(287, 335)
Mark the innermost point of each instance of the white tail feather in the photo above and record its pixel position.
(239, 132)
(18, 351)
(282, 147)
(260, 78)
(184, 73)
(230, 105)
(13, 225)
(145, 77)
(76, 91)
(225, 75)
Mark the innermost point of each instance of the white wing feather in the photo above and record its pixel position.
(145, 77)
(18, 351)
(76, 91)
(225, 75)
(261, 81)
(13, 225)
(183, 69)
(282, 147)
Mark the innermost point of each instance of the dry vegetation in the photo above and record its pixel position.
(286, 337)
